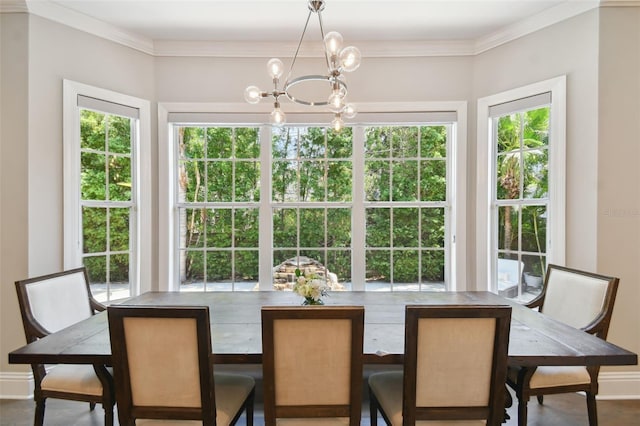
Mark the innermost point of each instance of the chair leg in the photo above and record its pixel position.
(39, 415)
(522, 412)
(249, 410)
(373, 408)
(108, 415)
(92, 406)
(591, 409)
(540, 399)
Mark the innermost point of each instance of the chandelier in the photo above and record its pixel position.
(338, 59)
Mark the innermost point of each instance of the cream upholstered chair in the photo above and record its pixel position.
(312, 365)
(48, 304)
(163, 369)
(583, 300)
(455, 364)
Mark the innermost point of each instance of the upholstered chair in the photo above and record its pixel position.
(582, 300)
(48, 304)
(163, 369)
(312, 365)
(455, 364)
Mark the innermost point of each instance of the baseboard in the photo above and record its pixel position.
(619, 385)
(16, 385)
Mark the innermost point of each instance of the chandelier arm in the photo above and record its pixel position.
(326, 54)
(295, 56)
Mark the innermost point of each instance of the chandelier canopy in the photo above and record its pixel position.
(339, 60)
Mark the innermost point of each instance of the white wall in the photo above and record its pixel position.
(36, 56)
(181, 79)
(571, 48)
(618, 179)
(13, 188)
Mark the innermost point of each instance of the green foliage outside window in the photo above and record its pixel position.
(405, 164)
(522, 166)
(105, 177)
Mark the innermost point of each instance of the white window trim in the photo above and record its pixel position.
(485, 273)
(141, 282)
(166, 214)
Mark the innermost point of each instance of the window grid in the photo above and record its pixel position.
(105, 285)
(530, 265)
(393, 156)
(308, 151)
(295, 199)
(212, 274)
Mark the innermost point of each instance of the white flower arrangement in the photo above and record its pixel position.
(311, 287)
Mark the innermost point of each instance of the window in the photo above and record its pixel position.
(312, 193)
(406, 206)
(523, 196)
(103, 205)
(218, 183)
(372, 206)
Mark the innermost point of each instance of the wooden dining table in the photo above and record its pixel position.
(535, 339)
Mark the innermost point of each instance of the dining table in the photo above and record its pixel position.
(535, 339)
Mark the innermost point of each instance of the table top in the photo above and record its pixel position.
(236, 329)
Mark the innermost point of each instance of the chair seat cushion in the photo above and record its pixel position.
(332, 421)
(80, 379)
(231, 391)
(387, 388)
(559, 376)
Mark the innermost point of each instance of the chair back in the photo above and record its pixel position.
(312, 363)
(161, 362)
(52, 302)
(581, 299)
(455, 362)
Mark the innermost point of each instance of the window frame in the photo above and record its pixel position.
(486, 273)
(141, 272)
(236, 114)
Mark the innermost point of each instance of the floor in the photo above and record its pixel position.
(561, 410)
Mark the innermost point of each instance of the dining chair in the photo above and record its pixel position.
(582, 300)
(163, 369)
(312, 365)
(455, 363)
(49, 303)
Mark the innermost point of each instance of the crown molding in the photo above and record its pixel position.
(369, 49)
(241, 49)
(619, 3)
(13, 6)
(534, 23)
(79, 21)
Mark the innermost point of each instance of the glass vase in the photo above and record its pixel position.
(310, 301)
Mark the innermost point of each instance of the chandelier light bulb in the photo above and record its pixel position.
(337, 123)
(336, 102)
(278, 117)
(349, 111)
(333, 43)
(275, 68)
(252, 94)
(350, 58)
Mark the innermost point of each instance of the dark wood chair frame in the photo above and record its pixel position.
(34, 330)
(598, 327)
(354, 409)
(494, 411)
(128, 412)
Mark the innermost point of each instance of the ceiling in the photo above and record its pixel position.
(264, 21)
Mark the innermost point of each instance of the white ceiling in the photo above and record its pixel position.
(279, 20)
(154, 22)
